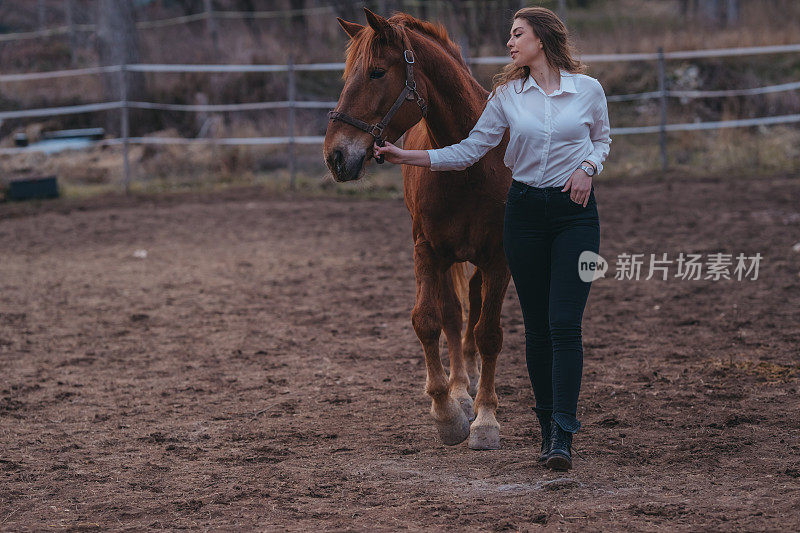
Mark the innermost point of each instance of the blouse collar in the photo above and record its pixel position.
(567, 84)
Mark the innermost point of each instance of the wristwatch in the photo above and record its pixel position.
(589, 169)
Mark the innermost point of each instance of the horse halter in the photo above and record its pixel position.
(409, 92)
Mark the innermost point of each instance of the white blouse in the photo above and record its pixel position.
(550, 135)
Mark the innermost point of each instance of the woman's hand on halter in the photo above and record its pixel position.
(398, 156)
(580, 186)
(390, 152)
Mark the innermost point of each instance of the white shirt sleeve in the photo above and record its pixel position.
(487, 133)
(600, 132)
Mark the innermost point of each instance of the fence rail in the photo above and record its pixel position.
(173, 21)
(685, 54)
(210, 108)
(64, 110)
(292, 103)
(230, 141)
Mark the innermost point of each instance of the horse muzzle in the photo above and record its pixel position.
(345, 165)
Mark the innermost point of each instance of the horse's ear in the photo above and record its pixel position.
(378, 23)
(351, 28)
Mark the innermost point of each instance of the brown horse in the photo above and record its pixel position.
(456, 216)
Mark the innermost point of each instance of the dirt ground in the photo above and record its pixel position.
(257, 370)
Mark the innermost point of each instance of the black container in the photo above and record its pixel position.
(33, 188)
(20, 140)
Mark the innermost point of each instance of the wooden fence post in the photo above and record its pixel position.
(291, 98)
(662, 88)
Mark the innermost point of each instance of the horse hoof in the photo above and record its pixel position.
(467, 407)
(455, 431)
(484, 438)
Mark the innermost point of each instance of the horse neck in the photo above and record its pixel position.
(455, 99)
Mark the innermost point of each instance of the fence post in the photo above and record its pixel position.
(662, 88)
(124, 126)
(291, 98)
(68, 10)
(562, 10)
(463, 43)
(41, 15)
(732, 12)
(211, 27)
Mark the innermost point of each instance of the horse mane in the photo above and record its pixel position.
(366, 44)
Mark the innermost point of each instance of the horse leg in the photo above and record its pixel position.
(471, 356)
(452, 423)
(485, 431)
(452, 321)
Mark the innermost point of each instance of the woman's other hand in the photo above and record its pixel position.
(580, 186)
(390, 152)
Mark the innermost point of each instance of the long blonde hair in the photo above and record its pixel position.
(555, 42)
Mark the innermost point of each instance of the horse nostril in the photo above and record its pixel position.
(335, 159)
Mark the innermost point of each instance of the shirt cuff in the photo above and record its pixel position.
(434, 157)
(597, 164)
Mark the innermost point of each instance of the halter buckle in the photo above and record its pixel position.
(378, 128)
(406, 54)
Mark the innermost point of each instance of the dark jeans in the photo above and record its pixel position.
(543, 236)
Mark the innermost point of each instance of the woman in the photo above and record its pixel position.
(559, 137)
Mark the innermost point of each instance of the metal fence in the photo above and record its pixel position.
(291, 103)
(209, 15)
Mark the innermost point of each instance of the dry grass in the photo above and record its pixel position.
(745, 152)
(619, 26)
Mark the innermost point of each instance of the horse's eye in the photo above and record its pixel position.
(376, 73)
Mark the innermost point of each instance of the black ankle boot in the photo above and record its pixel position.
(545, 422)
(560, 456)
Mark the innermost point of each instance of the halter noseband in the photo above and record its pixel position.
(409, 92)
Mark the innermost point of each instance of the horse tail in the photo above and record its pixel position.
(460, 277)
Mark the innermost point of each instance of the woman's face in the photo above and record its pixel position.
(524, 45)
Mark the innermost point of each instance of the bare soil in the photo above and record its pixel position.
(257, 370)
